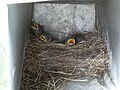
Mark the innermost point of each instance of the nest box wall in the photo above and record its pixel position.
(109, 17)
(19, 22)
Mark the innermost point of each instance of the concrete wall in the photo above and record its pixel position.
(19, 23)
(65, 18)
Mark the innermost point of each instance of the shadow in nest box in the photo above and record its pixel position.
(79, 37)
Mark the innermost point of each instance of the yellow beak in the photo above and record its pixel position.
(71, 41)
(35, 26)
(43, 38)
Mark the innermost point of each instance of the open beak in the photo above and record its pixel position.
(71, 41)
(35, 26)
(43, 38)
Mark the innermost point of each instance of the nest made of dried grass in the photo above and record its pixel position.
(47, 65)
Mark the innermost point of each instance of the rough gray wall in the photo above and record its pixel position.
(19, 23)
(72, 1)
(65, 18)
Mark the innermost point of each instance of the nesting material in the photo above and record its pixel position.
(48, 65)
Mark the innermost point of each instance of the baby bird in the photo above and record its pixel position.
(37, 28)
(40, 33)
(74, 38)
(70, 40)
(46, 37)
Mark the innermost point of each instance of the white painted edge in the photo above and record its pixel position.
(24, 1)
(4, 37)
(4, 31)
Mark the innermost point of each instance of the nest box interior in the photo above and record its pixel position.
(59, 18)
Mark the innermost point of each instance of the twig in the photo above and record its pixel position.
(26, 66)
(43, 53)
(60, 72)
(74, 80)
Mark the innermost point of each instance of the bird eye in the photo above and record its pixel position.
(43, 38)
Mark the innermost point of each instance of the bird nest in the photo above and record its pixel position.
(47, 65)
